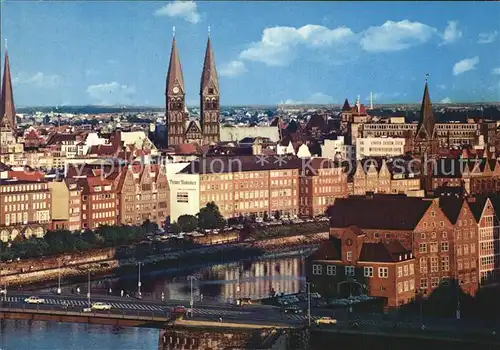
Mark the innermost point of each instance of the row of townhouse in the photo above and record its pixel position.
(396, 247)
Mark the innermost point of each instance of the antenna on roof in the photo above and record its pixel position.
(173, 31)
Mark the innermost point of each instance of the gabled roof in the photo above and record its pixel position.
(391, 212)
(451, 206)
(328, 250)
(390, 251)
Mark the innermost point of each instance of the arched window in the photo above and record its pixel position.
(4, 235)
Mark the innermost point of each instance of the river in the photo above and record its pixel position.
(245, 279)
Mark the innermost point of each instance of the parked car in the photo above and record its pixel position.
(101, 306)
(326, 320)
(3, 291)
(293, 309)
(34, 300)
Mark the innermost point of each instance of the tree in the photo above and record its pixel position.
(266, 217)
(210, 217)
(187, 223)
(175, 228)
(277, 215)
(253, 217)
(149, 226)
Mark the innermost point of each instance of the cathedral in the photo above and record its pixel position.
(180, 129)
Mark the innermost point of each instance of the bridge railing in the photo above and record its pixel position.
(65, 310)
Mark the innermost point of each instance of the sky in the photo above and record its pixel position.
(117, 53)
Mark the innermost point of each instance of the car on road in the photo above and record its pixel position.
(293, 309)
(3, 291)
(101, 306)
(34, 300)
(326, 320)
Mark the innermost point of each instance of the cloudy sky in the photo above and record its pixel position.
(75, 53)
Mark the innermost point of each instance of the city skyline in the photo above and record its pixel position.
(114, 63)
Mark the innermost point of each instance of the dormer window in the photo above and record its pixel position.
(210, 90)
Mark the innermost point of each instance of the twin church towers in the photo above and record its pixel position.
(180, 129)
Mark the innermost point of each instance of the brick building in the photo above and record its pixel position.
(354, 265)
(321, 182)
(143, 194)
(440, 233)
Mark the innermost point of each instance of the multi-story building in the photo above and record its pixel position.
(25, 208)
(488, 238)
(246, 185)
(66, 205)
(379, 175)
(437, 231)
(379, 147)
(143, 194)
(99, 202)
(321, 182)
(352, 264)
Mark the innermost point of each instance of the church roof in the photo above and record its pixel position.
(174, 75)
(7, 107)
(209, 73)
(427, 121)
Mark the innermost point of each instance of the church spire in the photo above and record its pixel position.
(209, 73)
(7, 108)
(175, 78)
(427, 121)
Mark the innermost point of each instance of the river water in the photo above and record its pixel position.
(245, 279)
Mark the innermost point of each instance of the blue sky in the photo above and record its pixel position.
(75, 53)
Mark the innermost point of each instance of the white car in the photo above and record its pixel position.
(34, 300)
(326, 320)
(101, 306)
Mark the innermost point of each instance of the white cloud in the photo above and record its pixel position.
(451, 33)
(39, 79)
(496, 71)
(318, 98)
(279, 45)
(487, 38)
(111, 93)
(232, 69)
(465, 65)
(395, 36)
(187, 10)
(446, 100)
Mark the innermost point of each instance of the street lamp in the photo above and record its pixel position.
(88, 291)
(191, 301)
(59, 277)
(308, 284)
(139, 282)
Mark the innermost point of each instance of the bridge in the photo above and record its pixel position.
(156, 314)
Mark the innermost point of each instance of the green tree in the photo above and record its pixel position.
(210, 217)
(174, 228)
(149, 227)
(277, 215)
(266, 217)
(187, 223)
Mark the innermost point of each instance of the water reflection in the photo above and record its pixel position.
(249, 279)
(18, 334)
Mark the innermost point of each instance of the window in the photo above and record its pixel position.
(400, 271)
(406, 270)
(423, 248)
(182, 197)
(400, 287)
(317, 269)
(349, 270)
(412, 284)
(383, 272)
(445, 235)
(422, 235)
(368, 272)
(434, 247)
(423, 265)
(331, 270)
(434, 265)
(472, 248)
(349, 256)
(434, 282)
(444, 246)
(445, 263)
(423, 283)
(406, 286)
(412, 269)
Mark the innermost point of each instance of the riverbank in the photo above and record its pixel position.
(108, 268)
